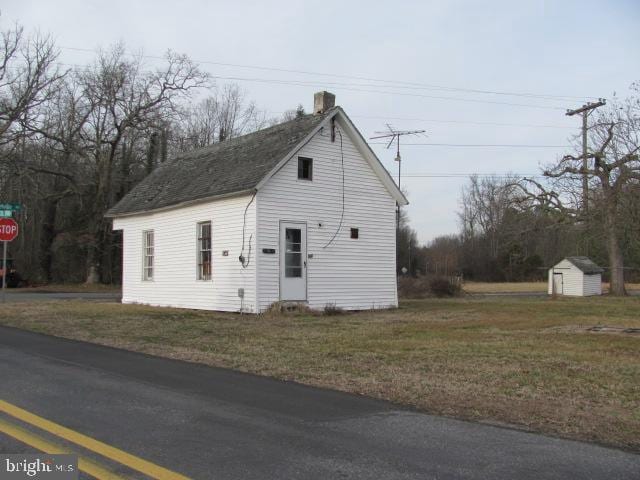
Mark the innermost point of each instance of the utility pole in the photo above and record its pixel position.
(585, 110)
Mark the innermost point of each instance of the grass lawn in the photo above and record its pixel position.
(522, 361)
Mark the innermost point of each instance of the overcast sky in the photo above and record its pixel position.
(567, 51)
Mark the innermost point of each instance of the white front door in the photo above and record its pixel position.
(558, 284)
(293, 261)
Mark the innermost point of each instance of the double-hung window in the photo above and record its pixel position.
(147, 255)
(204, 251)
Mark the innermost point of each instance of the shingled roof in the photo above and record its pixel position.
(586, 265)
(232, 166)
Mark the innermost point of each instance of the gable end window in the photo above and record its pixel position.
(204, 251)
(305, 168)
(355, 233)
(147, 255)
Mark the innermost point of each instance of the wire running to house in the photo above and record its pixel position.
(343, 206)
(245, 261)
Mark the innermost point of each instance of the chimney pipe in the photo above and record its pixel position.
(323, 101)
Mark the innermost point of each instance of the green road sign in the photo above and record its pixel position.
(16, 207)
(7, 209)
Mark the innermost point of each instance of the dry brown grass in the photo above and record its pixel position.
(504, 287)
(70, 288)
(522, 287)
(523, 361)
(631, 287)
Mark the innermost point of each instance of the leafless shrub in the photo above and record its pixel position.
(428, 286)
(332, 309)
(444, 287)
(287, 308)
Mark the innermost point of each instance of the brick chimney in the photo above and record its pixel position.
(323, 101)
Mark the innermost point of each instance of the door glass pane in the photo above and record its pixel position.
(293, 255)
(293, 235)
(293, 247)
(292, 259)
(293, 272)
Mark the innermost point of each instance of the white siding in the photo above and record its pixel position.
(352, 274)
(575, 282)
(592, 284)
(175, 281)
(571, 278)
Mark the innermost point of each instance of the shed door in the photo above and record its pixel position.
(557, 283)
(293, 261)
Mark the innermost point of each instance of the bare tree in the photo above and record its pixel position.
(73, 143)
(200, 126)
(485, 202)
(613, 171)
(27, 78)
(125, 97)
(57, 128)
(221, 116)
(293, 114)
(443, 255)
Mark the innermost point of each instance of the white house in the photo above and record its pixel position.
(301, 212)
(575, 276)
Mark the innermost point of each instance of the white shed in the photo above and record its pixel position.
(298, 212)
(575, 276)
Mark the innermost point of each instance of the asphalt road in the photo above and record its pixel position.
(209, 423)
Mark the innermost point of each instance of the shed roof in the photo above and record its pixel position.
(229, 167)
(586, 265)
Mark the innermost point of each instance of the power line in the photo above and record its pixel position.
(385, 82)
(384, 92)
(465, 175)
(320, 84)
(476, 145)
(435, 120)
(348, 87)
(469, 122)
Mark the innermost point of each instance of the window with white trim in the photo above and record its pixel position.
(204, 251)
(147, 255)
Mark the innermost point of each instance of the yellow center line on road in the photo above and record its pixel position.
(29, 438)
(150, 469)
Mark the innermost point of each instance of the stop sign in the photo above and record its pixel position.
(8, 229)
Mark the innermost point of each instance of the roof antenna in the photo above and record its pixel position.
(394, 136)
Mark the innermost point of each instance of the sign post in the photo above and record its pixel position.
(4, 272)
(8, 232)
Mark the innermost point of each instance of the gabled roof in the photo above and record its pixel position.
(585, 264)
(235, 166)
